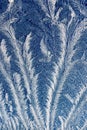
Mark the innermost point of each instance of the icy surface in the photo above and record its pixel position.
(43, 64)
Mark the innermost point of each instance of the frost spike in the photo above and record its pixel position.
(68, 64)
(57, 68)
(9, 81)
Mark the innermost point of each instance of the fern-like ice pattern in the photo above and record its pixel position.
(43, 64)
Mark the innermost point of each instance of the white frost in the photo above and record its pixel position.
(10, 1)
(46, 53)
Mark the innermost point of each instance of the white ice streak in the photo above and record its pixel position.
(43, 6)
(62, 122)
(2, 106)
(26, 47)
(68, 64)
(9, 81)
(21, 96)
(78, 97)
(3, 49)
(11, 1)
(27, 54)
(69, 98)
(14, 42)
(46, 53)
(58, 13)
(51, 4)
(72, 16)
(75, 38)
(55, 74)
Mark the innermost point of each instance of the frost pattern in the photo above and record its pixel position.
(43, 65)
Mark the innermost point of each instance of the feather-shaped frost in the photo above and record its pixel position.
(3, 49)
(68, 62)
(33, 80)
(43, 80)
(46, 53)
